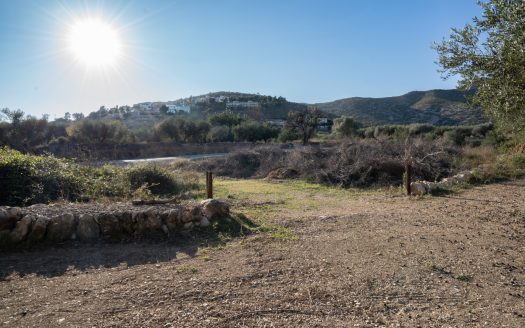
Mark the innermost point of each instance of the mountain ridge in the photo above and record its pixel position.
(436, 106)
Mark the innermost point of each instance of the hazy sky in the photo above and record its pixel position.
(306, 51)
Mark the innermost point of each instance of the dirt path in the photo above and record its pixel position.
(366, 261)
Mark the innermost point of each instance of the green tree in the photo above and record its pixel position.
(163, 109)
(77, 116)
(346, 126)
(99, 131)
(253, 131)
(219, 133)
(489, 56)
(287, 134)
(227, 118)
(304, 122)
(203, 128)
(168, 128)
(23, 132)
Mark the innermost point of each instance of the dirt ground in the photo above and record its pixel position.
(340, 259)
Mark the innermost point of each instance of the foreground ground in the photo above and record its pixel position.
(324, 258)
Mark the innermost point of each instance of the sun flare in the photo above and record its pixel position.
(94, 43)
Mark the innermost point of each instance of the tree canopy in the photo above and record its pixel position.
(99, 131)
(303, 122)
(489, 56)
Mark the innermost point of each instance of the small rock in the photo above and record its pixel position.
(214, 209)
(140, 219)
(22, 228)
(38, 228)
(187, 215)
(109, 225)
(7, 220)
(154, 221)
(174, 218)
(418, 188)
(14, 213)
(61, 227)
(87, 228)
(204, 222)
(126, 222)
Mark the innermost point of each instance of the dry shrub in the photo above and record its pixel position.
(348, 164)
(364, 163)
(472, 157)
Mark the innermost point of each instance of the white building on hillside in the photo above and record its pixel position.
(173, 108)
(147, 106)
(242, 104)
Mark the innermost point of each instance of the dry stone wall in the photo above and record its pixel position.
(420, 188)
(92, 222)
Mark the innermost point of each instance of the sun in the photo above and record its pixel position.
(94, 43)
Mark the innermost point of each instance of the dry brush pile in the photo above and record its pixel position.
(347, 164)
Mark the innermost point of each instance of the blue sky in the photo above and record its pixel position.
(307, 51)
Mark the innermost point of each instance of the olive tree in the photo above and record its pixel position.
(489, 56)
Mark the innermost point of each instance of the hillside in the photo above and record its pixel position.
(439, 107)
(268, 107)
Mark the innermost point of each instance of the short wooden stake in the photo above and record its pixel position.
(209, 184)
(408, 175)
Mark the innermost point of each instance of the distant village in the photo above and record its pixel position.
(184, 105)
(180, 106)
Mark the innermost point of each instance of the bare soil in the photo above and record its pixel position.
(367, 260)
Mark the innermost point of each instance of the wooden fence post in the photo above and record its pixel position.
(209, 184)
(408, 175)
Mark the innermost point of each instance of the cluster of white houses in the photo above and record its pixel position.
(155, 106)
(185, 105)
(148, 108)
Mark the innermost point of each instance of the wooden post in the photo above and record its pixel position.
(408, 175)
(209, 184)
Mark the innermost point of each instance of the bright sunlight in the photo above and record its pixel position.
(94, 43)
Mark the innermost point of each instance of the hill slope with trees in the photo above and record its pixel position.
(438, 107)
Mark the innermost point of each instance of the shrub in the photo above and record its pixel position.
(253, 131)
(157, 179)
(106, 181)
(288, 135)
(361, 163)
(471, 157)
(368, 132)
(345, 126)
(28, 179)
(219, 133)
(416, 129)
(99, 131)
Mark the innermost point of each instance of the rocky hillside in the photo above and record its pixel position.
(439, 107)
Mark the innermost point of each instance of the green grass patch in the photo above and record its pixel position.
(282, 233)
(187, 269)
(463, 277)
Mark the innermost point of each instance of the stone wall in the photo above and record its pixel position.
(420, 188)
(59, 223)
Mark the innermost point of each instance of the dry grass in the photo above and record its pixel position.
(324, 257)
